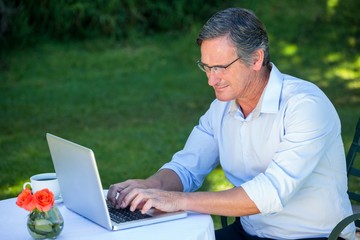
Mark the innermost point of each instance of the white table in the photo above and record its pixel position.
(194, 227)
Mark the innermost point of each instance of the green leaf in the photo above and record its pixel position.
(43, 225)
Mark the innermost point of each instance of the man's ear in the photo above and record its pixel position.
(258, 59)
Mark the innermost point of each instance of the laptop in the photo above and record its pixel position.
(82, 191)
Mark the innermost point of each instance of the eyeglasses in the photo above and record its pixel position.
(217, 69)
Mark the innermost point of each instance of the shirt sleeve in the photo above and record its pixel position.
(310, 124)
(198, 157)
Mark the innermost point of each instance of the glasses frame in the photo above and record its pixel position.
(217, 68)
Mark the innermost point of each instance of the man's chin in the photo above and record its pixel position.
(223, 98)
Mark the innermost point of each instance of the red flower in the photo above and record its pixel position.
(44, 200)
(26, 200)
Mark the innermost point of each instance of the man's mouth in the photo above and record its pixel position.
(220, 87)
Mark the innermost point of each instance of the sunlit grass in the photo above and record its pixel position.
(355, 85)
(13, 190)
(333, 57)
(217, 181)
(331, 6)
(290, 49)
(344, 69)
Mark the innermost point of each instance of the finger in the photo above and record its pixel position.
(116, 193)
(150, 203)
(144, 200)
(111, 195)
(120, 201)
(134, 198)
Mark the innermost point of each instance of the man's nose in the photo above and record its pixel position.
(213, 78)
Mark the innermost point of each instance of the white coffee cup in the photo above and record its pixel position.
(44, 180)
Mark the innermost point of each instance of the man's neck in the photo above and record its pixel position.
(248, 103)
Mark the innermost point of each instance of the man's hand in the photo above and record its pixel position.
(164, 179)
(145, 199)
(117, 192)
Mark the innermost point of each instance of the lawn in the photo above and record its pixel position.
(134, 102)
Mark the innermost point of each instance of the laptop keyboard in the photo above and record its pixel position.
(125, 215)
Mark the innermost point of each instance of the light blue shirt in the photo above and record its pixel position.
(287, 155)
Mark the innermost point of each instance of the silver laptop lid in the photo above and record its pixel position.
(81, 186)
(79, 180)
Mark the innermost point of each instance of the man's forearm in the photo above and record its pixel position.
(165, 179)
(232, 202)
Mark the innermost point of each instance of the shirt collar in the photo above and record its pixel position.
(271, 95)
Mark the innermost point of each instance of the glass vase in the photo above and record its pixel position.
(45, 225)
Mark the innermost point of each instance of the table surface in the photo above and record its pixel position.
(194, 227)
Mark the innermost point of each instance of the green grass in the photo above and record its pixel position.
(135, 102)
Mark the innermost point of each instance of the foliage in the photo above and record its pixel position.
(27, 21)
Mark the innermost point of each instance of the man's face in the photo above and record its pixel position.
(232, 83)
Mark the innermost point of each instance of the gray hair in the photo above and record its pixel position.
(244, 29)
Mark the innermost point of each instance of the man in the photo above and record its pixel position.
(277, 138)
